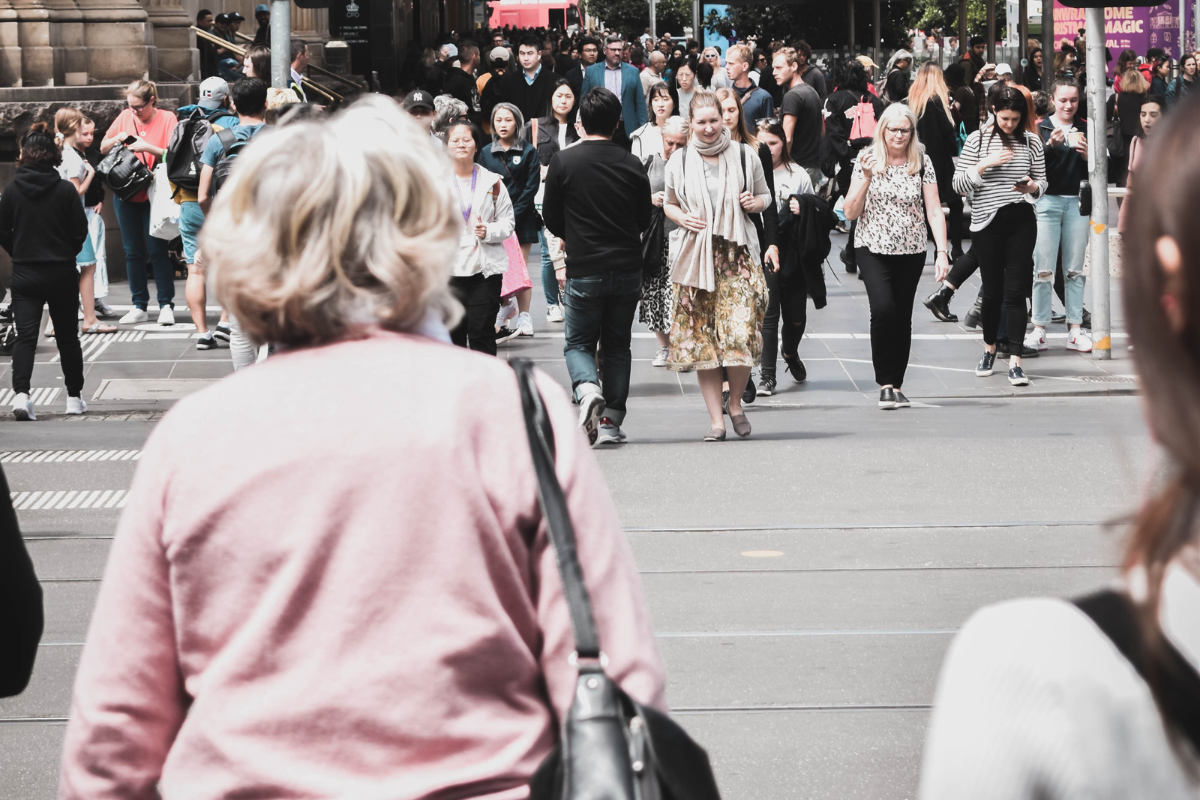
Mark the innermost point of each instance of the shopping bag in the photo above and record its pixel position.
(517, 276)
(164, 211)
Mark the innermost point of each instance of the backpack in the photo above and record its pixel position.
(186, 146)
(864, 119)
(231, 148)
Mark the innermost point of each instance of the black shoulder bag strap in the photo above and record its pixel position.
(556, 514)
(1177, 685)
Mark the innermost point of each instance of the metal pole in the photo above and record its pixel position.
(653, 25)
(963, 37)
(1182, 34)
(852, 45)
(1196, 25)
(1023, 36)
(1098, 177)
(281, 43)
(1047, 40)
(697, 33)
(876, 33)
(991, 31)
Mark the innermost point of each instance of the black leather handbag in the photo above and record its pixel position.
(611, 747)
(124, 173)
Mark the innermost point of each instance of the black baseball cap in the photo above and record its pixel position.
(418, 99)
(233, 15)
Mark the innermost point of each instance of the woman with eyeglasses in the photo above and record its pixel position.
(1003, 169)
(683, 84)
(149, 130)
(893, 192)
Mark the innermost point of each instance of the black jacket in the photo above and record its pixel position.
(458, 84)
(767, 222)
(547, 138)
(598, 201)
(42, 223)
(1065, 168)
(533, 100)
(806, 244)
(21, 616)
(940, 137)
(837, 148)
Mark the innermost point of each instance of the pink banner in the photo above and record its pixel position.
(1136, 27)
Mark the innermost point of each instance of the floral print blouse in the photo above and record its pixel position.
(893, 219)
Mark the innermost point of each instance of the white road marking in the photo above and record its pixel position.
(40, 397)
(73, 499)
(40, 456)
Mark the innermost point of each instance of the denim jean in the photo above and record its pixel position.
(599, 309)
(191, 219)
(1059, 220)
(140, 246)
(549, 279)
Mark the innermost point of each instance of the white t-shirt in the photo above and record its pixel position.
(789, 180)
(72, 164)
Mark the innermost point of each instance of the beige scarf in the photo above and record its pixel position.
(694, 262)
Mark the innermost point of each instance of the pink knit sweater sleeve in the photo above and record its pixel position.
(123, 724)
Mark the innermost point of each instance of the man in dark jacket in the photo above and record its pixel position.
(43, 228)
(597, 200)
(528, 87)
(459, 81)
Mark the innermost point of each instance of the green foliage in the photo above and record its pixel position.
(929, 15)
(631, 17)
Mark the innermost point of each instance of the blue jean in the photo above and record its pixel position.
(191, 220)
(1059, 220)
(549, 279)
(599, 308)
(140, 247)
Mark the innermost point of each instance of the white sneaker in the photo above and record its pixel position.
(554, 314)
(507, 311)
(80, 316)
(134, 316)
(49, 327)
(22, 407)
(524, 324)
(1080, 341)
(166, 316)
(660, 357)
(1036, 338)
(591, 406)
(609, 432)
(104, 309)
(75, 405)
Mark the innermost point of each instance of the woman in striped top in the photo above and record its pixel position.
(1003, 169)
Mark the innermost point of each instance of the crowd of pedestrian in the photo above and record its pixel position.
(705, 196)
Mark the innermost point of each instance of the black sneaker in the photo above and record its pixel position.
(1004, 350)
(506, 334)
(749, 393)
(887, 398)
(1016, 376)
(766, 385)
(223, 331)
(901, 400)
(1087, 319)
(939, 304)
(849, 259)
(971, 320)
(1058, 319)
(206, 342)
(986, 365)
(796, 367)
(725, 401)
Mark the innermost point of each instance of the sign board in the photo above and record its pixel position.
(350, 20)
(1136, 27)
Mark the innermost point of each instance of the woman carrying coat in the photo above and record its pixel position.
(43, 228)
(488, 220)
(713, 186)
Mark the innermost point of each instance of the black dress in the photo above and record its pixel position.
(940, 137)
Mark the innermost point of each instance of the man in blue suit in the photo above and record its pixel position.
(622, 80)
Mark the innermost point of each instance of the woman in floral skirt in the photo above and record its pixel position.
(712, 187)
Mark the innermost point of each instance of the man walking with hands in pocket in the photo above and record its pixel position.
(598, 201)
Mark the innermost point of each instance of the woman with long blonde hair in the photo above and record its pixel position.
(929, 99)
(892, 193)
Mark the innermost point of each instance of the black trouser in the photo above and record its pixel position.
(964, 267)
(1005, 250)
(891, 282)
(480, 296)
(57, 287)
(788, 297)
(954, 219)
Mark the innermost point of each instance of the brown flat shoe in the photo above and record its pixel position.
(715, 435)
(741, 425)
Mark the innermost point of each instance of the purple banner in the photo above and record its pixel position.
(1136, 27)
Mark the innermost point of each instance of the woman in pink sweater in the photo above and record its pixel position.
(362, 601)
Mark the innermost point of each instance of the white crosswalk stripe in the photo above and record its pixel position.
(73, 499)
(40, 397)
(47, 456)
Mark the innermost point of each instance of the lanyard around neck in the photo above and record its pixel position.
(465, 208)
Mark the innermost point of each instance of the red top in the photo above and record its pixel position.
(157, 133)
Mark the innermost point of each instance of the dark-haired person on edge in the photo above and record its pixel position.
(43, 227)
(597, 200)
(21, 614)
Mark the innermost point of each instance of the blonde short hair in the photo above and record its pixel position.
(363, 236)
(146, 91)
(915, 151)
(278, 98)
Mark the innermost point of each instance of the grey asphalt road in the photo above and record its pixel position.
(805, 583)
